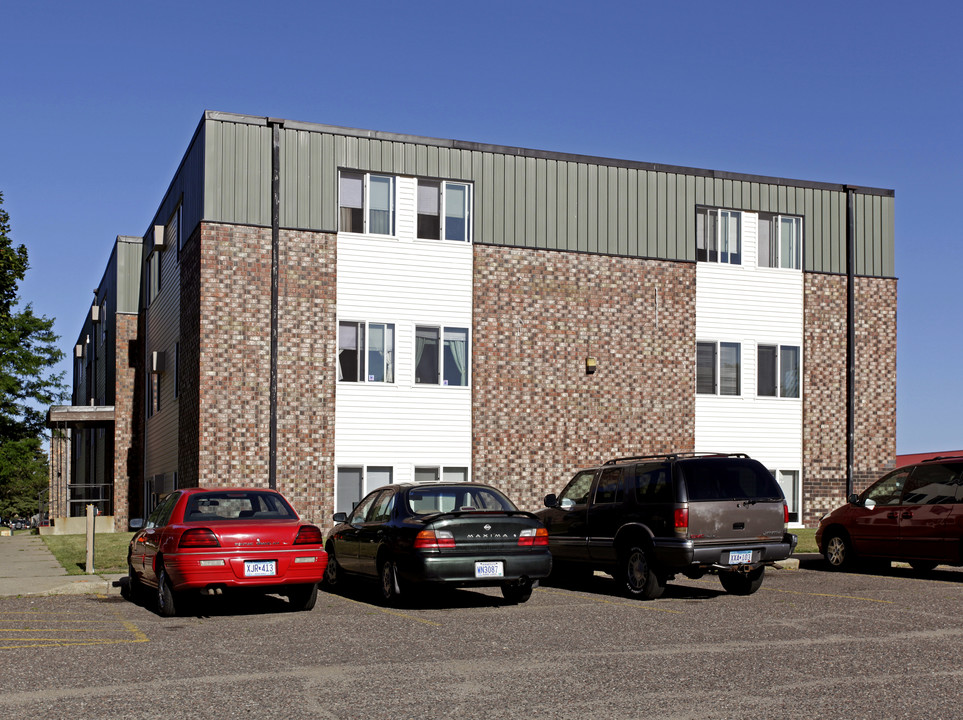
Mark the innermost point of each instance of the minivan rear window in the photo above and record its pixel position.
(727, 478)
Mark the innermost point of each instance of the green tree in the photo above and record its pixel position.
(28, 384)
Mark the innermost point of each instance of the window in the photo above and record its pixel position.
(718, 368)
(353, 482)
(172, 231)
(177, 369)
(367, 203)
(577, 491)
(153, 276)
(718, 236)
(366, 352)
(455, 222)
(609, 489)
(934, 484)
(789, 483)
(103, 321)
(441, 354)
(153, 394)
(778, 371)
(780, 241)
(436, 474)
(889, 489)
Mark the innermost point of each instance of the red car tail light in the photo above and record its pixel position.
(681, 519)
(308, 535)
(785, 517)
(199, 538)
(533, 537)
(434, 540)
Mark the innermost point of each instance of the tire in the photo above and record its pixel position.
(332, 572)
(738, 583)
(303, 597)
(923, 566)
(839, 552)
(388, 583)
(517, 592)
(166, 597)
(639, 578)
(133, 589)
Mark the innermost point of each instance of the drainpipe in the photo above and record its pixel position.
(850, 337)
(275, 244)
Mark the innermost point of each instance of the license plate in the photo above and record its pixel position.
(738, 558)
(260, 568)
(489, 569)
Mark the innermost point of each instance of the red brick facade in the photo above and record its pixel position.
(824, 413)
(536, 415)
(128, 420)
(228, 301)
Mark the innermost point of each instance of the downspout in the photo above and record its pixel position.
(275, 244)
(850, 337)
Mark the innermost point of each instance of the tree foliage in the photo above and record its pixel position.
(28, 355)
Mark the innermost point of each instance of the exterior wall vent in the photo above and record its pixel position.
(95, 313)
(157, 361)
(78, 350)
(158, 237)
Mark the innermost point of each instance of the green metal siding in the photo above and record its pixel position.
(532, 199)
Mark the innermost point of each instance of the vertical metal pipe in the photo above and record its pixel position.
(850, 338)
(275, 244)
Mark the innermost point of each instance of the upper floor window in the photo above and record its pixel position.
(153, 276)
(366, 352)
(718, 235)
(780, 241)
(718, 368)
(778, 371)
(367, 203)
(444, 210)
(441, 355)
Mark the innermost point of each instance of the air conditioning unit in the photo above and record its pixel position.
(78, 350)
(158, 237)
(157, 361)
(95, 313)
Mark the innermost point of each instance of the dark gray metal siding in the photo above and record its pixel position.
(526, 198)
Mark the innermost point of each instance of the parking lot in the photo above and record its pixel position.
(809, 644)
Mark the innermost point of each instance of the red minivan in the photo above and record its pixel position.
(913, 514)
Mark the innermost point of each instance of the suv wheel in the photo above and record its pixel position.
(738, 583)
(838, 552)
(638, 575)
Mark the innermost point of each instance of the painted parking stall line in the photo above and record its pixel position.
(37, 629)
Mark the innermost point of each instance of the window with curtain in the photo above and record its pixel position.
(366, 352)
(457, 205)
(349, 488)
(780, 241)
(351, 202)
(381, 211)
(456, 356)
(427, 349)
(429, 209)
(452, 224)
(366, 203)
(777, 370)
(718, 235)
(706, 368)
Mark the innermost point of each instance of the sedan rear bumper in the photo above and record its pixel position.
(460, 569)
(206, 570)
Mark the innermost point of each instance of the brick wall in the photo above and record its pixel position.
(128, 454)
(537, 416)
(824, 408)
(233, 350)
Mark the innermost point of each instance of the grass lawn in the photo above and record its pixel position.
(807, 540)
(110, 552)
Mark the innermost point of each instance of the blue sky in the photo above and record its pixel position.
(99, 101)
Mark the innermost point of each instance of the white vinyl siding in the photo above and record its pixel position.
(752, 306)
(408, 283)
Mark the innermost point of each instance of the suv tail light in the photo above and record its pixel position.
(434, 540)
(198, 538)
(308, 535)
(785, 517)
(533, 537)
(680, 517)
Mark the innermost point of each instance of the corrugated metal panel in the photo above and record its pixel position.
(527, 198)
(130, 256)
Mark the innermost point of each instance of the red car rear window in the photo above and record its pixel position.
(237, 505)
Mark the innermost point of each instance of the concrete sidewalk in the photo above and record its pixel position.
(27, 567)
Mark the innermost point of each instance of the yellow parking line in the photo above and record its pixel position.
(64, 636)
(633, 604)
(391, 612)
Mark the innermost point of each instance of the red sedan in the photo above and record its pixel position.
(209, 540)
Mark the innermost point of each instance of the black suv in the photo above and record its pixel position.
(644, 519)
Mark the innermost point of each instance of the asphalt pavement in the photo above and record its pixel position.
(27, 567)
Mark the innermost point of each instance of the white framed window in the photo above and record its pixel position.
(172, 231)
(366, 352)
(440, 473)
(718, 235)
(366, 203)
(444, 210)
(442, 356)
(777, 371)
(718, 368)
(356, 481)
(780, 241)
(789, 483)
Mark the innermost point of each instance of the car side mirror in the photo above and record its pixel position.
(550, 500)
(136, 523)
(340, 517)
(869, 504)
(853, 499)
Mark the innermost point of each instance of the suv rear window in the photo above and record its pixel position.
(727, 478)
